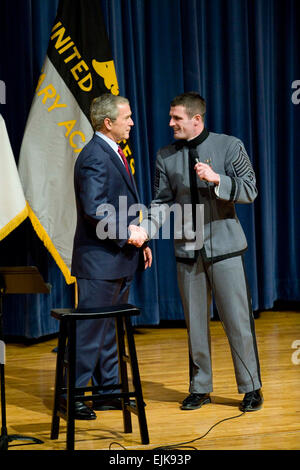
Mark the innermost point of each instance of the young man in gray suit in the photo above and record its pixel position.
(212, 170)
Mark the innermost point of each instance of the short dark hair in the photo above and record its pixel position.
(193, 103)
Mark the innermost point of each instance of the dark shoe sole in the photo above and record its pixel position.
(117, 406)
(106, 407)
(81, 418)
(246, 410)
(91, 417)
(196, 407)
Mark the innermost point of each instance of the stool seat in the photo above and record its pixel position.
(67, 341)
(92, 313)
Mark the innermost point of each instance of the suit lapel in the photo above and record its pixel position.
(130, 181)
(119, 165)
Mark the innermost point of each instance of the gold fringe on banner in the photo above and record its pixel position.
(14, 223)
(43, 235)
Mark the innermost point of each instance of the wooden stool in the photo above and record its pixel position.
(67, 334)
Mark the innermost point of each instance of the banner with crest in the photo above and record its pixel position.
(77, 68)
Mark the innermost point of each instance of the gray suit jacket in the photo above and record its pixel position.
(223, 235)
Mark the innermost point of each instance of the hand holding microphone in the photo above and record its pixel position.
(204, 170)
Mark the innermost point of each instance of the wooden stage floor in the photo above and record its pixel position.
(163, 361)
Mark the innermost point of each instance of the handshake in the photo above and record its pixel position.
(138, 236)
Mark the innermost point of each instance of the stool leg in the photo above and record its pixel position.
(136, 382)
(61, 348)
(71, 385)
(123, 373)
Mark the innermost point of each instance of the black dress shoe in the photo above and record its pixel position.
(82, 411)
(113, 404)
(252, 401)
(195, 400)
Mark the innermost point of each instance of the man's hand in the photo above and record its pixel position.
(206, 173)
(138, 236)
(147, 257)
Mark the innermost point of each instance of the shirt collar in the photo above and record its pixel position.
(110, 142)
(192, 143)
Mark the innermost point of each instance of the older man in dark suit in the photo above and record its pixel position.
(103, 261)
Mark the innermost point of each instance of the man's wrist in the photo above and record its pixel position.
(217, 180)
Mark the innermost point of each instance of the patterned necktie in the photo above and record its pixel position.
(120, 151)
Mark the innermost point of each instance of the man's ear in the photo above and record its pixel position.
(107, 123)
(198, 119)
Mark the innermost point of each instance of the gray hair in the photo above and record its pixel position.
(105, 106)
(192, 102)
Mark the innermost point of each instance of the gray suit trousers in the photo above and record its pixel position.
(232, 299)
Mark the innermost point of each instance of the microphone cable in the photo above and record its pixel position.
(212, 287)
(187, 444)
(211, 282)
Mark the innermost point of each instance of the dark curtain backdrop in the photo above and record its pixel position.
(243, 57)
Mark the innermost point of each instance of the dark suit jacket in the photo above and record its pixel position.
(100, 179)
